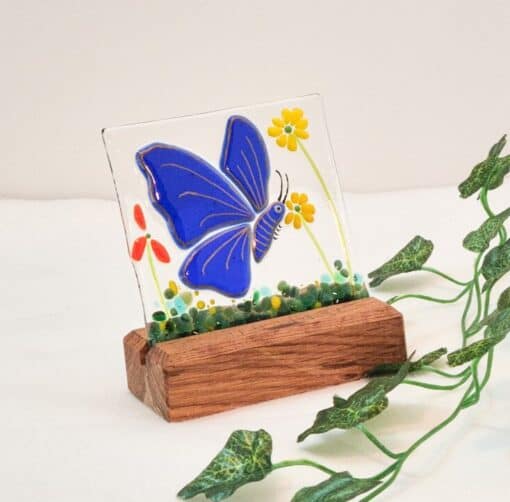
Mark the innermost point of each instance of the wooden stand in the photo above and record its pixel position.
(208, 373)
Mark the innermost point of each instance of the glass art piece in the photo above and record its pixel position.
(232, 216)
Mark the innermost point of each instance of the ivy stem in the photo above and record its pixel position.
(431, 386)
(476, 383)
(445, 373)
(398, 298)
(474, 288)
(395, 468)
(485, 204)
(373, 439)
(490, 355)
(444, 276)
(340, 228)
(319, 249)
(305, 462)
(488, 369)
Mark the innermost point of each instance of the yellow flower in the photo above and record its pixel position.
(299, 209)
(288, 128)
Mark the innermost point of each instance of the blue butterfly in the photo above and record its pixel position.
(196, 199)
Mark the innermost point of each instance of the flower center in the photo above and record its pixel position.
(297, 209)
(288, 129)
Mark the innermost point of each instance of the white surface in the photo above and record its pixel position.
(70, 430)
(417, 87)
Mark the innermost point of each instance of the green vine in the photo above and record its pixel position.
(247, 455)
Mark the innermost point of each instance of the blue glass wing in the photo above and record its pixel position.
(221, 262)
(244, 159)
(192, 196)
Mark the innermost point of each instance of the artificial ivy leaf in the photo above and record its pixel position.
(391, 368)
(479, 240)
(492, 167)
(338, 488)
(504, 299)
(499, 325)
(339, 401)
(246, 457)
(361, 406)
(496, 264)
(410, 258)
(473, 351)
(501, 169)
(346, 417)
(497, 148)
(503, 304)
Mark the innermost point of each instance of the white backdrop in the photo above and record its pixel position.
(415, 91)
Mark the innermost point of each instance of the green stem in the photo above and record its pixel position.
(485, 204)
(396, 469)
(319, 249)
(445, 373)
(397, 466)
(308, 463)
(432, 386)
(476, 382)
(488, 369)
(373, 439)
(490, 355)
(155, 278)
(340, 228)
(440, 426)
(429, 298)
(444, 276)
(474, 287)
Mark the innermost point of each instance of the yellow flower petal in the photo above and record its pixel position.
(308, 217)
(295, 115)
(294, 197)
(274, 131)
(289, 218)
(303, 198)
(297, 222)
(281, 140)
(292, 143)
(301, 133)
(308, 208)
(278, 122)
(289, 205)
(301, 124)
(286, 115)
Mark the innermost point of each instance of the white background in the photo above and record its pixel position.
(414, 90)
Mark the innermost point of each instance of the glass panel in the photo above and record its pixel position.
(232, 216)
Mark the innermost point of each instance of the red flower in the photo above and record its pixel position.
(139, 217)
(139, 245)
(160, 251)
(138, 248)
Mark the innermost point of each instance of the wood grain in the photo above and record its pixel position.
(213, 372)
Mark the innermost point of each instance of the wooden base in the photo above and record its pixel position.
(208, 373)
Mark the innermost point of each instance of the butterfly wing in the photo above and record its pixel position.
(245, 161)
(192, 196)
(221, 262)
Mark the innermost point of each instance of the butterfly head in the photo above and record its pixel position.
(277, 209)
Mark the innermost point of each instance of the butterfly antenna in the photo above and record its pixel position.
(281, 185)
(287, 191)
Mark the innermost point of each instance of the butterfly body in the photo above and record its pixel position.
(265, 229)
(211, 210)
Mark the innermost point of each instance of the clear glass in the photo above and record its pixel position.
(232, 216)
